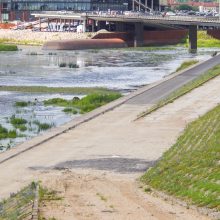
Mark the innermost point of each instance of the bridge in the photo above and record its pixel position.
(139, 21)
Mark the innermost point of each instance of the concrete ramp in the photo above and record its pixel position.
(85, 44)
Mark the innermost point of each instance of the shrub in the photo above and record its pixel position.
(62, 65)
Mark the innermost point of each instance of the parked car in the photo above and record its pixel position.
(170, 13)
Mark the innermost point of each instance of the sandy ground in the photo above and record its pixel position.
(28, 35)
(102, 196)
(115, 144)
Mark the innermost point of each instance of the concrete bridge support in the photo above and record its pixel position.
(120, 26)
(192, 39)
(101, 25)
(138, 34)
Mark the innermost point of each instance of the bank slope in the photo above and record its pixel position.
(190, 169)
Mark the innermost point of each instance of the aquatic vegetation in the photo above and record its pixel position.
(8, 47)
(70, 110)
(70, 65)
(73, 65)
(5, 133)
(190, 168)
(22, 104)
(86, 104)
(42, 126)
(186, 64)
(62, 64)
(16, 122)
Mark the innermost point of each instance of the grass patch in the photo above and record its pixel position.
(22, 104)
(5, 133)
(19, 205)
(7, 47)
(210, 74)
(86, 104)
(190, 169)
(17, 121)
(47, 195)
(186, 64)
(44, 89)
(205, 40)
(21, 42)
(70, 110)
(42, 126)
(103, 198)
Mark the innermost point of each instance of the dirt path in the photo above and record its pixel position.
(102, 196)
(112, 143)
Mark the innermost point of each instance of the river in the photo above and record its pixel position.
(119, 69)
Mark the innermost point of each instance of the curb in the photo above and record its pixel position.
(41, 139)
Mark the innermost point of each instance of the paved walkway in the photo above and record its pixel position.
(113, 141)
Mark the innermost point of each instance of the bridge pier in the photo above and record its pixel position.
(101, 25)
(192, 38)
(120, 26)
(138, 34)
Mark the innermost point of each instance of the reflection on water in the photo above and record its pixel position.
(118, 69)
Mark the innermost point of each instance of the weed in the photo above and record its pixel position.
(190, 168)
(22, 104)
(43, 126)
(70, 110)
(16, 122)
(86, 104)
(186, 64)
(5, 133)
(103, 198)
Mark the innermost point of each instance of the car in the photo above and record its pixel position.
(170, 13)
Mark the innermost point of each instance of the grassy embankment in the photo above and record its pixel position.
(190, 169)
(186, 64)
(19, 205)
(21, 42)
(7, 47)
(86, 104)
(215, 71)
(204, 40)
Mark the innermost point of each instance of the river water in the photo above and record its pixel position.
(119, 69)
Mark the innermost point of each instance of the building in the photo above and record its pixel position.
(21, 9)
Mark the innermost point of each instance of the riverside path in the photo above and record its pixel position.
(109, 140)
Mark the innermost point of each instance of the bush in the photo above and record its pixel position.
(62, 65)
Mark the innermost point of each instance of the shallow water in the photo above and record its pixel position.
(116, 69)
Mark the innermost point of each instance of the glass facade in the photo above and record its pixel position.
(13, 8)
(68, 5)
